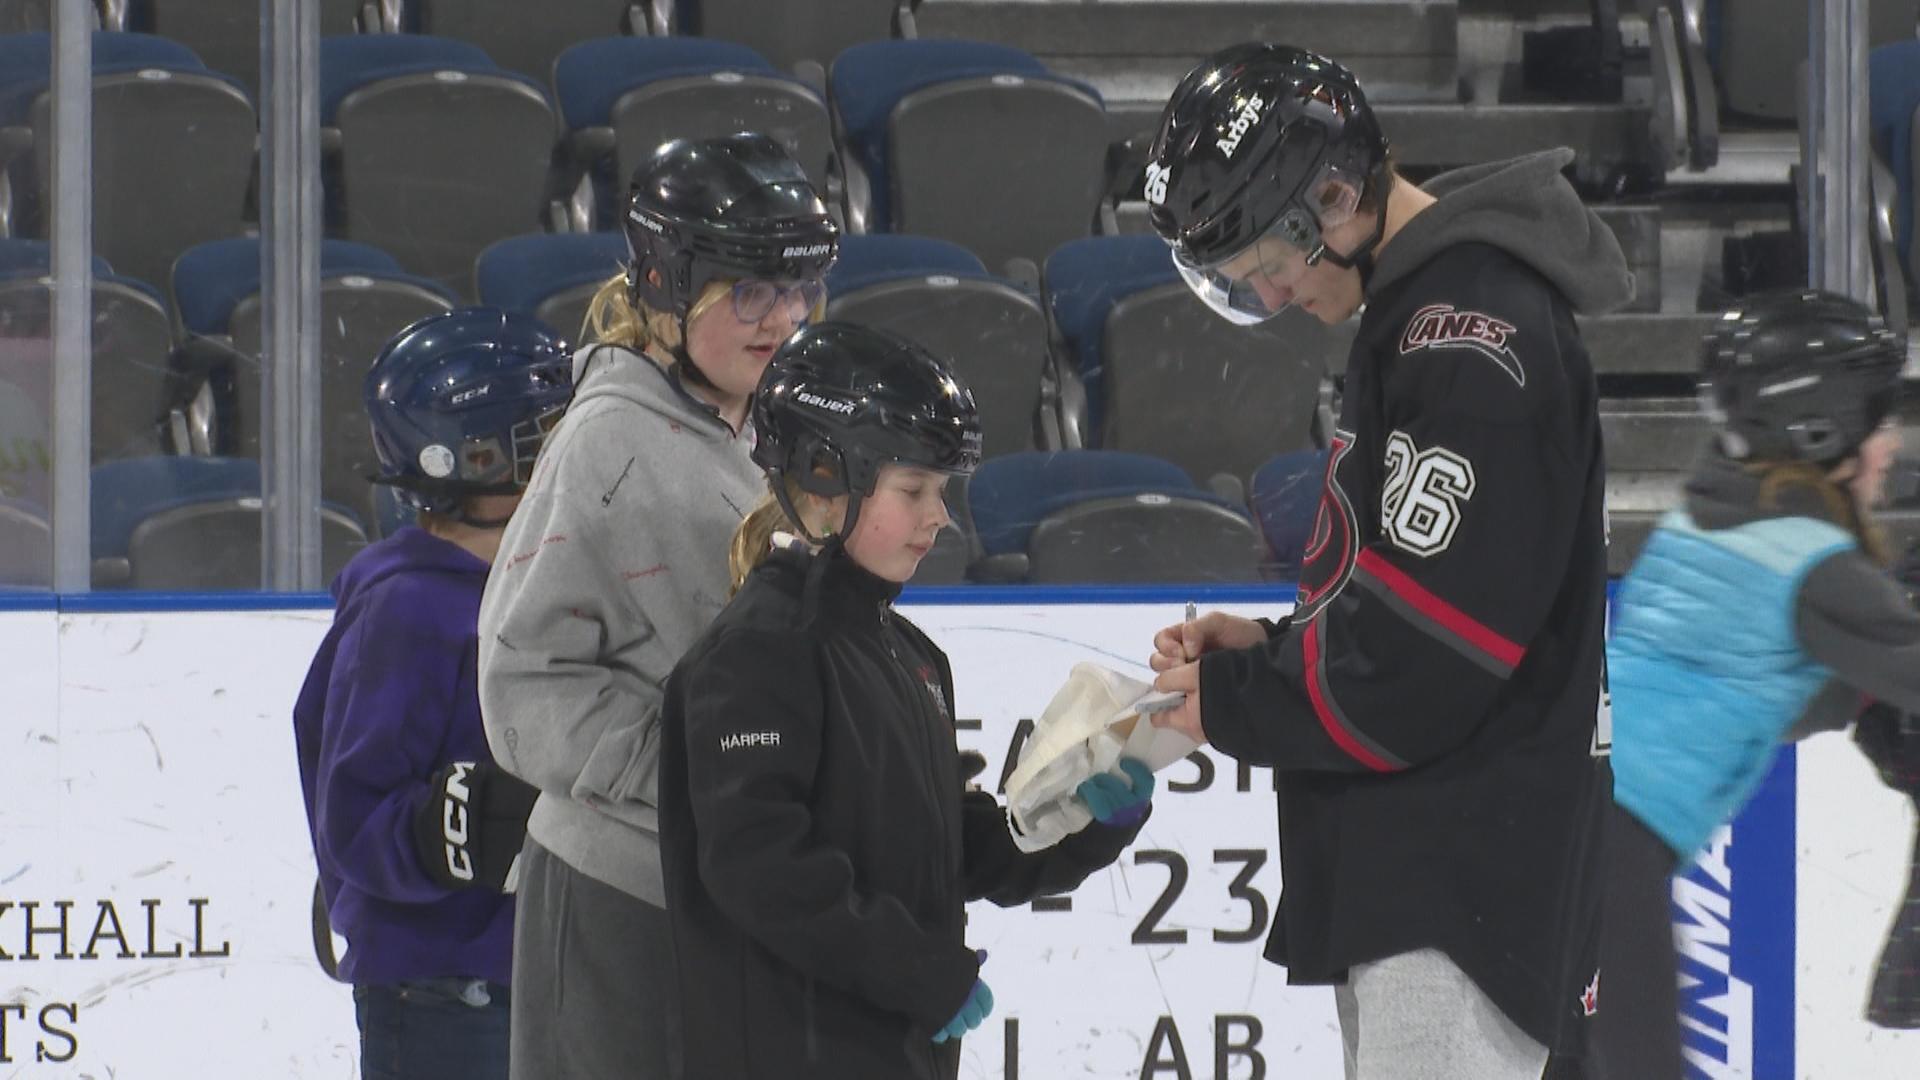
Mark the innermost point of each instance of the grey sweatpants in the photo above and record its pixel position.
(1417, 1016)
(592, 975)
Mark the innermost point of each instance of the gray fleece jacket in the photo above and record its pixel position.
(612, 566)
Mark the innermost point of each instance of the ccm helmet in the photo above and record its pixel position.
(461, 402)
(838, 401)
(1260, 148)
(1801, 375)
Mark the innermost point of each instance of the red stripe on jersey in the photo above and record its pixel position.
(1310, 648)
(1457, 622)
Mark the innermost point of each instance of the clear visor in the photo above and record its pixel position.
(1257, 282)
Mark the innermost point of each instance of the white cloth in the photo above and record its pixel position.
(1094, 720)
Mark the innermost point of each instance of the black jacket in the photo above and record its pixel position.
(818, 846)
(1431, 706)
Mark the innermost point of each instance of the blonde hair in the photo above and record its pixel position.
(1779, 479)
(613, 318)
(753, 540)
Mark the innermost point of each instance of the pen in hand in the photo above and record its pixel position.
(1186, 632)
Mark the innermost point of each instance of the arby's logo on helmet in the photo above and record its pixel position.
(1248, 116)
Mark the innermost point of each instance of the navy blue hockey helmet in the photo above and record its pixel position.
(461, 402)
(1801, 375)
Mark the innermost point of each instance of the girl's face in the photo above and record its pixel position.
(1868, 481)
(733, 338)
(898, 522)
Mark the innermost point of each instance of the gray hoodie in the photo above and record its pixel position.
(1527, 209)
(613, 565)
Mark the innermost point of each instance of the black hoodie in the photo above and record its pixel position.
(1431, 706)
(818, 847)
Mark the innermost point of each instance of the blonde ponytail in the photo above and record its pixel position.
(753, 540)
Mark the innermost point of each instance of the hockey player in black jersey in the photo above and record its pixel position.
(1432, 705)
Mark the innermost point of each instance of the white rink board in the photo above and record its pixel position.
(148, 764)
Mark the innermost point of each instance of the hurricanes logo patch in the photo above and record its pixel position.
(1439, 326)
(931, 680)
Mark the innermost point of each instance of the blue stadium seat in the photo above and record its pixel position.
(550, 276)
(1139, 339)
(34, 258)
(365, 298)
(937, 293)
(1285, 497)
(1103, 516)
(622, 97)
(192, 523)
(975, 143)
(441, 151)
(1893, 105)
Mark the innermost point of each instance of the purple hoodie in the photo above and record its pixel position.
(389, 700)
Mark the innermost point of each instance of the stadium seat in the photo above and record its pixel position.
(132, 336)
(26, 545)
(516, 41)
(1757, 45)
(1285, 498)
(365, 298)
(226, 33)
(1105, 517)
(791, 32)
(974, 143)
(192, 523)
(173, 147)
(1139, 340)
(938, 294)
(621, 98)
(550, 276)
(441, 151)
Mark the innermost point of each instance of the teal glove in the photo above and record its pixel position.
(972, 1011)
(1110, 798)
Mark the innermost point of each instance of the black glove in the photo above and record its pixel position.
(1892, 742)
(470, 829)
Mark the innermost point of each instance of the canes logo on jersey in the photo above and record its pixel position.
(1440, 326)
(931, 680)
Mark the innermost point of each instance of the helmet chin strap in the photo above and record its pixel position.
(831, 538)
(1360, 258)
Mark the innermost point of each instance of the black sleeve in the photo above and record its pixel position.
(1854, 618)
(997, 870)
(1484, 470)
(753, 725)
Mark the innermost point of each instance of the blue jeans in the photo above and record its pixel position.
(433, 1029)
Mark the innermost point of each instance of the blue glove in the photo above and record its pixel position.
(1115, 803)
(972, 1011)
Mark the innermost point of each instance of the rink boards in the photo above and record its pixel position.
(155, 874)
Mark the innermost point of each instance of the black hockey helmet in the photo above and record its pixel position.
(1246, 150)
(738, 206)
(461, 402)
(1801, 375)
(838, 401)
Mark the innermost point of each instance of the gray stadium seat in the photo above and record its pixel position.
(215, 545)
(519, 38)
(1763, 42)
(226, 33)
(26, 546)
(173, 146)
(1143, 540)
(132, 335)
(441, 151)
(977, 144)
(792, 31)
(1165, 376)
(940, 296)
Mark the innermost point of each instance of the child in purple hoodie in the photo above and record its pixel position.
(414, 828)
